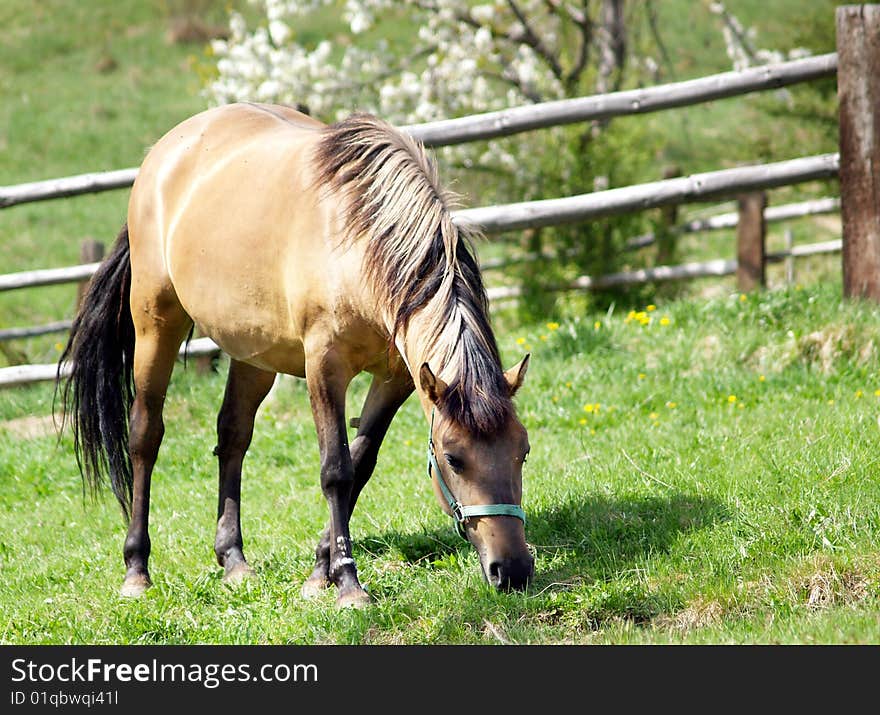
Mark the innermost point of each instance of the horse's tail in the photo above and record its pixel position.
(97, 395)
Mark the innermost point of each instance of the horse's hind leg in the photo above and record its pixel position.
(159, 329)
(246, 387)
(381, 404)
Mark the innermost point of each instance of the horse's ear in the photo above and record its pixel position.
(517, 374)
(431, 385)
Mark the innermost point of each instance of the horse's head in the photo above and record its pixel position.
(478, 480)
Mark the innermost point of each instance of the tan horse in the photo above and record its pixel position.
(313, 250)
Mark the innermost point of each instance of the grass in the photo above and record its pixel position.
(722, 491)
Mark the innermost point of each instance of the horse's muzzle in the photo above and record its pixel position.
(511, 574)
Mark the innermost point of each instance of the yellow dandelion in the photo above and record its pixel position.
(520, 341)
(552, 326)
(740, 406)
(665, 321)
(630, 316)
(858, 394)
(651, 308)
(731, 399)
(876, 393)
(672, 405)
(543, 337)
(568, 384)
(592, 431)
(597, 325)
(830, 402)
(743, 297)
(642, 376)
(653, 416)
(598, 406)
(408, 442)
(589, 408)
(761, 378)
(582, 420)
(555, 398)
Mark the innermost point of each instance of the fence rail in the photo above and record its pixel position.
(48, 276)
(616, 104)
(66, 186)
(684, 271)
(27, 374)
(530, 214)
(697, 187)
(515, 120)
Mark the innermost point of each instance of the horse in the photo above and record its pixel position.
(315, 250)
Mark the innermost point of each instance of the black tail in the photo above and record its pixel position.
(98, 394)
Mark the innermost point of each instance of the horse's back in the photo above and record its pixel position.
(226, 212)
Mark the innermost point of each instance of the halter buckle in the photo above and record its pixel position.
(458, 514)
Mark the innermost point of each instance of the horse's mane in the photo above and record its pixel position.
(415, 255)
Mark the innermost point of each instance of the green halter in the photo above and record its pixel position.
(462, 513)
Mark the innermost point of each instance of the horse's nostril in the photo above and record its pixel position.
(510, 573)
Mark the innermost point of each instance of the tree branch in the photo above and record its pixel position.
(515, 81)
(578, 17)
(585, 25)
(658, 39)
(530, 38)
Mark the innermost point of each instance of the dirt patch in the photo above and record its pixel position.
(823, 349)
(30, 427)
(827, 587)
(698, 614)
(192, 30)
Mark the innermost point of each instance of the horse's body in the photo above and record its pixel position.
(309, 250)
(253, 274)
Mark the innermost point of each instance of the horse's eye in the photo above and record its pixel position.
(454, 462)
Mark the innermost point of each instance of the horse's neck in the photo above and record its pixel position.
(417, 348)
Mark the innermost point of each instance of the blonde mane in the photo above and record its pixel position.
(417, 259)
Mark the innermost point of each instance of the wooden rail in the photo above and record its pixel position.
(27, 374)
(697, 187)
(47, 276)
(684, 271)
(511, 121)
(616, 104)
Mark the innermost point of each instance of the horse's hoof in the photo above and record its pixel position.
(135, 585)
(238, 574)
(314, 587)
(355, 598)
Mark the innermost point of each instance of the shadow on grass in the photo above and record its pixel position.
(597, 537)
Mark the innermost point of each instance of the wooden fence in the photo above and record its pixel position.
(854, 64)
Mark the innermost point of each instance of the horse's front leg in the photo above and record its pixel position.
(328, 377)
(384, 398)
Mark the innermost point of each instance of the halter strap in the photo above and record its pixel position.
(460, 512)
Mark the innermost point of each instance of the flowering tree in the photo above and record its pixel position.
(462, 59)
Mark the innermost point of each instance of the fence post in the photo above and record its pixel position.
(750, 235)
(858, 92)
(667, 237)
(90, 251)
(789, 259)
